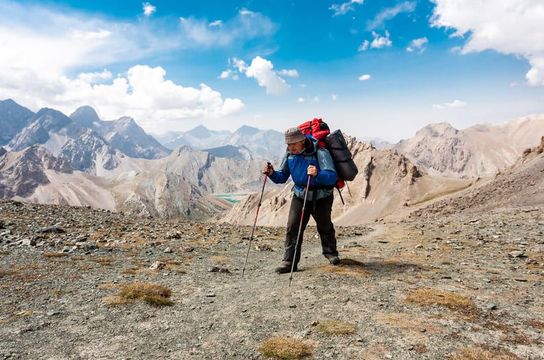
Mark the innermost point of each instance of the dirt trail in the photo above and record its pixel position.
(418, 290)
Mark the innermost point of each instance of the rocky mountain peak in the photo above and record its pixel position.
(126, 135)
(13, 118)
(247, 130)
(126, 121)
(200, 132)
(438, 130)
(40, 128)
(85, 116)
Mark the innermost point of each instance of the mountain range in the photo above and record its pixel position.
(265, 144)
(48, 157)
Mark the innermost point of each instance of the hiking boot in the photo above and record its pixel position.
(335, 260)
(285, 267)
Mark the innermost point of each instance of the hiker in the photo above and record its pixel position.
(305, 158)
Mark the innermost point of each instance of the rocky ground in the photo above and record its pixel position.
(450, 287)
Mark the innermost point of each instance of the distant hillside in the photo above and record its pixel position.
(522, 185)
(478, 151)
(264, 144)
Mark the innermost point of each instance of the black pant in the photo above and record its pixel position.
(321, 212)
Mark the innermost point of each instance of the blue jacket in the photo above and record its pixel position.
(296, 166)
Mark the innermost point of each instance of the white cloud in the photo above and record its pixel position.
(418, 45)
(239, 64)
(380, 41)
(225, 74)
(334, 97)
(451, 105)
(245, 25)
(263, 71)
(148, 9)
(228, 74)
(390, 13)
(143, 93)
(365, 77)
(316, 99)
(300, 100)
(507, 26)
(90, 35)
(288, 73)
(364, 46)
(95, 77)
(341, 9)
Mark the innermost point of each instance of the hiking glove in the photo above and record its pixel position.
(268, 169)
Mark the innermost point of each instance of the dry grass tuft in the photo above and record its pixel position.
(476, 353)
(346, 267)
(285, 348)
(54, 254)
(446, 299)
(7, 272)
(336, 327)
(153, 294)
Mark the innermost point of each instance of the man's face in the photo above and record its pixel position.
(296, 148)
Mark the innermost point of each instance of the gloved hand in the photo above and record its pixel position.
(268, 169)
(312, 170)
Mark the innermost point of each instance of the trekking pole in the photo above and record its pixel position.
(341, 197)
(349, 191)
(300, 228)
(255, 222)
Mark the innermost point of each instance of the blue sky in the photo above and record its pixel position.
(373, 68)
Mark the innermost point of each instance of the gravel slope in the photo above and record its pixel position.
(484, 272)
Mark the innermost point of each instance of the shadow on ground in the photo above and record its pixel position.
(388, 267)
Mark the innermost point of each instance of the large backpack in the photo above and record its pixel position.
(346, 170)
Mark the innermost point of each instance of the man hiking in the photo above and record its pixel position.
(305, 158)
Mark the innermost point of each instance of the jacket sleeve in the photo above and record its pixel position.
(280, 176)
(327, 174)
